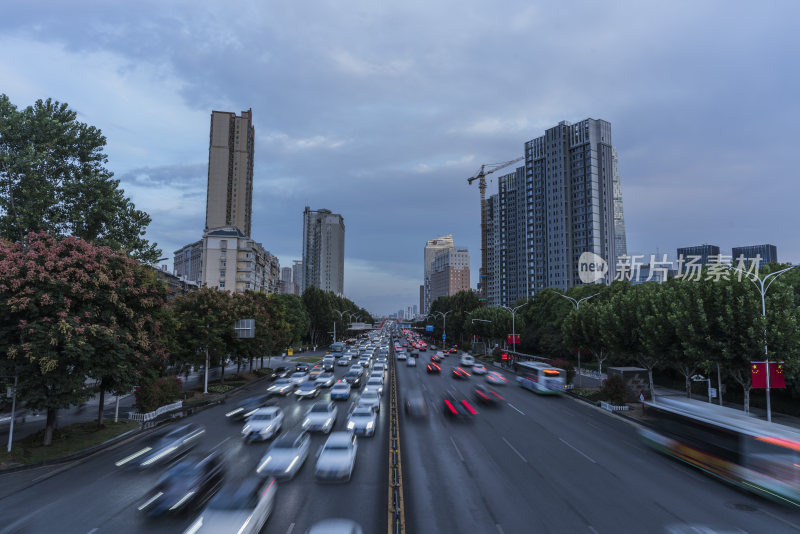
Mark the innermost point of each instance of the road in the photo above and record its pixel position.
(554, 464)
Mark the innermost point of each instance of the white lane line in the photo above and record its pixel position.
(592, 529)
(221, 442)
(576, 450)
(291, 528)
(456, 448)
(515, 450)
(499, 528)
(92, 531)
(515, 408)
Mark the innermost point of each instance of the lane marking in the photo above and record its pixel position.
(499, 528)
(578, 451)
(592, 529)
(221, 442)
(291, 528)
(515, 450)
(92, 531)
(515, 408)
(456, 448)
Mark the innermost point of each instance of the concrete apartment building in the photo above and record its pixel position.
(297, 276)
(432, 248)
(323, 250)
(512, 265)
(493, 272)
(449, 273)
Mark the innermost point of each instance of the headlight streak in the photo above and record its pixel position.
(244, 526)
(150, 500)
(183, 500)
(132, 456)
(234, 412)
(195, 526)
(160, 455)
(291, 465)
(263, 464)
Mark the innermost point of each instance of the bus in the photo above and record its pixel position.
(541, 378)
(756, 455)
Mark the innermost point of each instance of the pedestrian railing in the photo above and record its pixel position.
(613, 407)
(143, 417)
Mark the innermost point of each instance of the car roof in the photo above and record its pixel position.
(339, 438)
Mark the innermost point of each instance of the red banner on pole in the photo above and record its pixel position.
(513, 338)
(759, 372)
(776, 379)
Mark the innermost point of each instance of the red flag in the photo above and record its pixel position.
(759, 371)
(776, 375)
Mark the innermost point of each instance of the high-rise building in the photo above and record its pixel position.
(620, 243)
(449, 273)
(767, 253)
(493, 272)
(188, 262)
(699, 254)
(230, 171)
(569, 174)
(422, 298)
(432, 248)
(512, 261)
(297, 277)
(287, 286)
(323, 250)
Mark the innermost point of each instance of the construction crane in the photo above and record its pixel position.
(481, 176)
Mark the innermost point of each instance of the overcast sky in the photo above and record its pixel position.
(380, 111)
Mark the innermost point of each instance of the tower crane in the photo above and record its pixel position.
(485, 170)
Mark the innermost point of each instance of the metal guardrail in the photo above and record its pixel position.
(143, 417)
(396, 519)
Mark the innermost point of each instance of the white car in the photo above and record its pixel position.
(337, 458)
(343, 361)
(362, 421)
(401, 355)
(478, 369)
(374, 384)
(371, 399)
(285, 456)
(238, 507)
(326, 380)
(321, 416)
(298, 377)
(263, 424)
(412, 362)
(467, 360)
(357, 367)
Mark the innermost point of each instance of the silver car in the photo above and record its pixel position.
(337, 458)
(374, 384)
(299, 377)
(326, 380)
(285, 456)
(166, 448)
(371, 399)
(362, 421)
(242, 508)
(282, 386)
(263, 424)
(321, 417)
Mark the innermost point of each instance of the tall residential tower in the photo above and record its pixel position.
(323, 250)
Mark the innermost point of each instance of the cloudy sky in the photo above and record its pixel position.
(380, 111)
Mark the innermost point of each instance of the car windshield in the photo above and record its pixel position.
(285, 442)
(319, 409)
(362, 412)
(369, 395)
(340, 386)
(337, 447)
(326, 375)
(233, 498)
(308, 385)
(262, 416)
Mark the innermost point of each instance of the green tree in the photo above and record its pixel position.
(53, 179)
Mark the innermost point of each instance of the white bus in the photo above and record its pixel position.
(541, 378)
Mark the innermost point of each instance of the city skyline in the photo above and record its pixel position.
(702, 109)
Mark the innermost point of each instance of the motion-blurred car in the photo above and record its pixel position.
(460, 373)
(456, 407)
(415, 404)
(493, 377)
(486, 395)
(326, 380)
(344, 361)
(187, 484)
(411, 362)
(356, 368)
(337, 458)
(240, 508)
(362, 421)
(340, 391)
(467, 360)
(165, 448)
(478, 369)
(374, 384)
(283, 372)
(286, 455)
(263, 424)
(371, 399)
(299, 377)
(315, 372)
(307, 390)
(436, 358)
(282, 386)
(401, 356)
(247, 407)
(353, 378)
(320, 417)
(433, 368)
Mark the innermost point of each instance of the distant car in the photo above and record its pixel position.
(374, 384)
(307, 390)
(357, 368)
(335, 526)
(353, 378)
(376, 374)
(247, 407)
(411, 362)
(263, 424)
(415, 404)
(187, 484)
(282, 372)
(299, 377)
(486, 395)
(282, 386)
(456, 407)
(436, 358)
(460, 373)
(344, 361)
(340, 391)
(362, 421)
(401, 356)
(364, 362)
(285, 456)
(433, 368)
(302, 366)
(337, 458)
(478, 369)
(326, 380)
(320, 417)
(493, 377)
(165, 447)
(467, 360)
(328, 363)
(423, 348)
(371, 399)
(240, 507)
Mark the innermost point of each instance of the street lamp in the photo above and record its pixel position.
(514, 326)
(444, 326)
(762, 285)
(577, 304)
